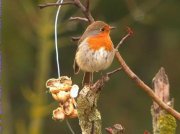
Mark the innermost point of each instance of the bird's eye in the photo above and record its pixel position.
(102, 29)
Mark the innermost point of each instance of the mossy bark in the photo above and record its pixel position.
(88, 114)
(163, 123)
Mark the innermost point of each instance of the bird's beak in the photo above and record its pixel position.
(111, 27)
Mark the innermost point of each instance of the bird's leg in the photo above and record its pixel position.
(101, 73)
(91, 79)
(87, 79)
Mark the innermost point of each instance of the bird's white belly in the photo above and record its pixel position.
(93, 60)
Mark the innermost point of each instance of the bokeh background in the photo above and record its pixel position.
(29, 60)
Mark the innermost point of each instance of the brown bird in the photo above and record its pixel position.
(95, 50)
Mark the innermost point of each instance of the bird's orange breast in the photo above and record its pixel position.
(99, 41)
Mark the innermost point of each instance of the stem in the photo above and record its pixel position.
(41, 6)
(146, 88)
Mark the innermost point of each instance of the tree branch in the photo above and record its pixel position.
(88, 114)
(87, 4)
(78, 18)
(145, 88)
(129, 33)
(41, 6)
(84, 9)
(98, 85)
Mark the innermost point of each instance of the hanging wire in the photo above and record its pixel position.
(69, 126)
(57, 54)
(55, 33)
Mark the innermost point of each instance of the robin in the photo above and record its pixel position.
(95, 50)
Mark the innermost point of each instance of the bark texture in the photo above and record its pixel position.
(163, 123)
(89, 115)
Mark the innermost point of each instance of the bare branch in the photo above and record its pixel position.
(114, 71)
(140, 83)
(87, 4)
(85, 11)
(97, 86)
(78, 18)
(129, 33)
(41, 6)
(145, 88)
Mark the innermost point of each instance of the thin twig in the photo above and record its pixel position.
(114, 71)
(97, 86)
(78, 18)
(145, 88)
(87, 4)
(85, 11)
(41, 6)
(129, 33)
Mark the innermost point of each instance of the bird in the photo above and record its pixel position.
(95, 50)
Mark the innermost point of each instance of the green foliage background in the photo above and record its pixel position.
(29, 60)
